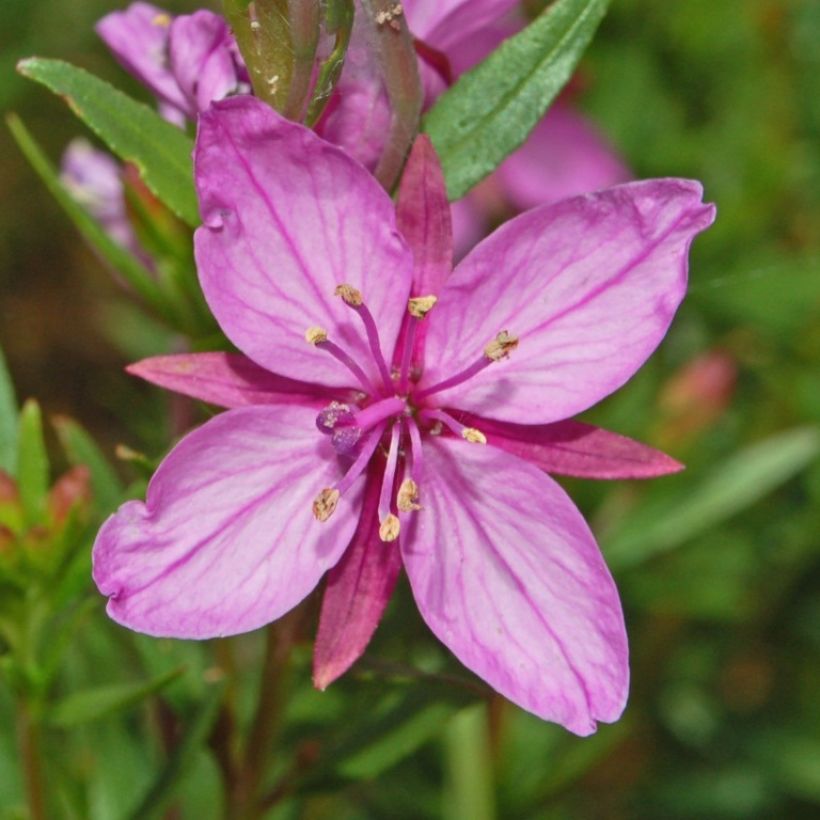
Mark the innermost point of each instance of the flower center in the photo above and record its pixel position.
(392, 413)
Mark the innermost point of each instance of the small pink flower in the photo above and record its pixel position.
(393, 413)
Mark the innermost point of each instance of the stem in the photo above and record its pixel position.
(400, 72)
(304, 33)
(468, 764)
(28, 733)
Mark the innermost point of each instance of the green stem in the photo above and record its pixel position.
(28, 733)
(400, 72)
(470, 793)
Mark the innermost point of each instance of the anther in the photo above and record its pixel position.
(325, 504)
(163, 20)
(473, 436)
(501, 346)
(419, 306)
(350, 295)
(390, 528)
(314, 335)
(407, 499)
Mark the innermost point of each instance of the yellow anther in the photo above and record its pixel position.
(349, 295)
(473, 436)
(419, 306)
(315, 335)
(390, 528)
(408, 496)
(325, 504)
(163, 20)
(501, 346)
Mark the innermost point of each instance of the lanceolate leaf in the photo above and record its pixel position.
(161, 151)
(137, 275)
(32, 463)
(8, 420)
(490, 111)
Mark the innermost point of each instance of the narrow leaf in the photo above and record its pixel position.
(132, 270)
(137, 134)
(734, 485)
(8, 419)
(490, 111)
(32, 463)
(82, 449)
(101, 701)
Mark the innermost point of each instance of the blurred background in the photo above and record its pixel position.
(718, 566)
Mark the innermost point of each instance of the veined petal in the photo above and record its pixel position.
(202, 58)
(227, 380)
(276, 243)
(564, 156)
(446, 23)
(226, 540)
(357, 592)
(575, 449)
(588, 285)
(507, 574)
(138, 38)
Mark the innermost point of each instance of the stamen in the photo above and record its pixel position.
(407, 499)
(417, 467)
(389, 524)
(325, 504)
(317, 336)
(418, 307)
(467, 433)
(499, 348)
(353, 298)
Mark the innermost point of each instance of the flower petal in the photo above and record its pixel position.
(202, 58)
(574, 448)
(276, 243)
(227, 380)
(444, 24)
(357, 592)
(226, 540)
(138, 38)
(564, 156)
(507, 574)
(588, 285)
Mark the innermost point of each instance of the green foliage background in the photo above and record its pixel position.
(718, 566)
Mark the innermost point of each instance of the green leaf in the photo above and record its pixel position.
(101, 701)
(735, 484)
(8, 419)
(491, 110)
(161, 151)
(32, 463)
(139, 277)
(82, 449)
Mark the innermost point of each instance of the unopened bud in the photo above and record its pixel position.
(390, 528)
(325, 504)
(315, 335)
(419, 306)
(501, 346)
(408, 496)
(350, 296)
(473, 436)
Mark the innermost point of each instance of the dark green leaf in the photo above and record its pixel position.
(490, 111)
(32, 463)
(8, 419)
(161, 151)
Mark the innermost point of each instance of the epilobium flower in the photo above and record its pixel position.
(407, 416)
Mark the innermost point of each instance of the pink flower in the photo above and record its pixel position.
(186, 61)
(436, 417)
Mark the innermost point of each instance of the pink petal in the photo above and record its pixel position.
(588, 285)
(227, 380)
(507, 574)
(575, 449)
(564, 156)
(138, 38)
(226, 541)
(202, 58)
(276, 244)
(358, 589)
(423, 215)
